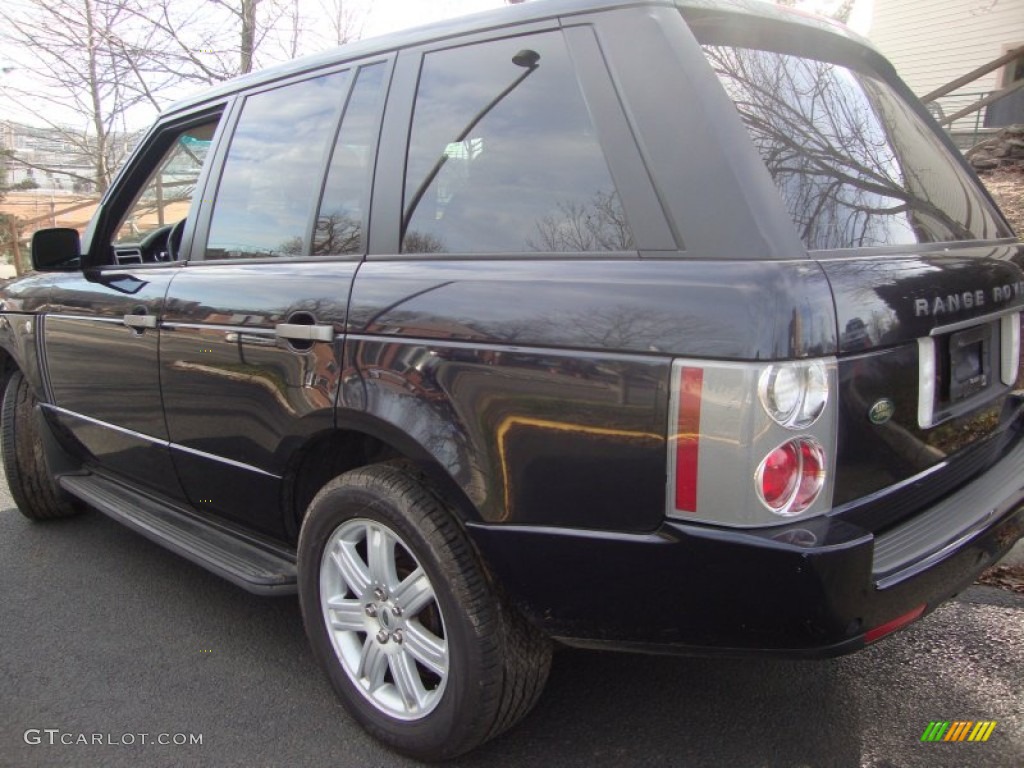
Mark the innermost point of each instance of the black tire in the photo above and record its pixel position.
(496, 663)
(32, 484)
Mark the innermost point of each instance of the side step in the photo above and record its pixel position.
(252, 567)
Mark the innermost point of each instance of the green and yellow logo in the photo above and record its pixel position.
(958, 730)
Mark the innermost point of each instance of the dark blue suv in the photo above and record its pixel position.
(622, 324)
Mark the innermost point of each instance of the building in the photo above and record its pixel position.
(933, 42)
(63, 164)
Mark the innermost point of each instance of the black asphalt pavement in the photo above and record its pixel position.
(105, 637)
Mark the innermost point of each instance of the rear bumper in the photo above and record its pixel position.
(814, 589)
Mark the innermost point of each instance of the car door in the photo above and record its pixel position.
(101, 334)
(252, 332)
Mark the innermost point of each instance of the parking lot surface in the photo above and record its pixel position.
(106, 636)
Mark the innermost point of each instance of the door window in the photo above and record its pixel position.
(272, 174)
(165, 199)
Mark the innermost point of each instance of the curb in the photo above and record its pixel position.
(986, 595)
(1015, 556)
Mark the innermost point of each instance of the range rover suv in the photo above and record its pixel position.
(655, 326)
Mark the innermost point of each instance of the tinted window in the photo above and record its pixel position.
(855, 164)
(503, 155)
(339, 223)
(167, 195)
(273, 170)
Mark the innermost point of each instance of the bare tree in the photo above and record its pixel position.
(840, 12)
(336, 234)
(835, 150)
(598, 225)
(86, 56)
(98, 60)
(343, 23)
(225, 38)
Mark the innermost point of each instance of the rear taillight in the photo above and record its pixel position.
(794, 394)
(751, 444)
(790, 478)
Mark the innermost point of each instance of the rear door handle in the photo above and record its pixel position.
(140, 322)
(304, 332)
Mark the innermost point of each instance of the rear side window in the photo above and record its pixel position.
(855, 165)
(271, 176)
(503, 156)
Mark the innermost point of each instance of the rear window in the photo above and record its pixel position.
(855, 165)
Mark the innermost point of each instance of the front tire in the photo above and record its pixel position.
(32, 485)
(417, 645)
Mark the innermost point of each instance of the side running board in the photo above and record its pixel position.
(254, 568)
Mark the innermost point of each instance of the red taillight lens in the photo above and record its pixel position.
(691, 382)
(812, 475)
(791, 476)
(779, 474)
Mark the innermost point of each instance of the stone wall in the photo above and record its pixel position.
(1005, 150)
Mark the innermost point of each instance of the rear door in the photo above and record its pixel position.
(253, 330)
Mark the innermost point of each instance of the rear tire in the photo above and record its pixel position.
(28, 476)
(418, 646)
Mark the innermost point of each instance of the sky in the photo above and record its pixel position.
(377, 17)
(390, 15)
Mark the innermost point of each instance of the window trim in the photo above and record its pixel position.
(96, 246)
(368, 175)
(643, 205)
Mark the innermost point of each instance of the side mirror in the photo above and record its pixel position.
(55, 249)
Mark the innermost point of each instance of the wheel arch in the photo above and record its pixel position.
(19, 349)
(7, 368)
(360, 440)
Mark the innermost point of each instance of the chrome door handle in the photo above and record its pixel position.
(304, 332)
(140, 322)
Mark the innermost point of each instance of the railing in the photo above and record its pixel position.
(963, 113)
(968, 130)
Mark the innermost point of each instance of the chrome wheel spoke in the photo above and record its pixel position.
(346, 614)
(372, 664)
(426, 647)
(414, 593)
(352, 568)
(380, 554)
(407, 681)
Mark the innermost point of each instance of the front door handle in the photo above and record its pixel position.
(140, 322)
(299, 332)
